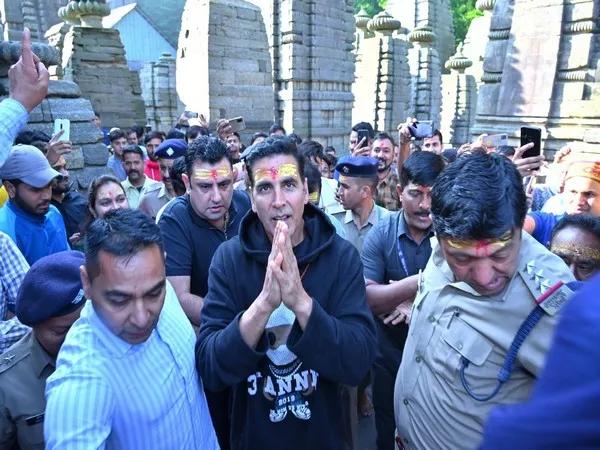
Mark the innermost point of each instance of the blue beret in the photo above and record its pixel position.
(171, 149)
(357, 166)
(51, 288)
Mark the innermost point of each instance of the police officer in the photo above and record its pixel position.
(483, 320)
(357, 187)
(49, 301)
(158, 195)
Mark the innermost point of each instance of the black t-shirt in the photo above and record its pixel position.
(190, 241)
(73, 210)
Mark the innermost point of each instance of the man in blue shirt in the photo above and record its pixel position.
(28, 218)
(125, 376)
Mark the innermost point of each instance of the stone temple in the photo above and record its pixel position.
(316, 67)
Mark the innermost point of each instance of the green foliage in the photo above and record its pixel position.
(463, 12)
(372, 7)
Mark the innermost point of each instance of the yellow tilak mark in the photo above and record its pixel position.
(204, 174)
(313, 197)
(576, 250)
(272, 173)
(502, 241)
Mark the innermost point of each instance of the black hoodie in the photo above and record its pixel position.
(287, 398)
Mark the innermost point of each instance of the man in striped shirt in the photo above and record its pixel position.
(125, 376)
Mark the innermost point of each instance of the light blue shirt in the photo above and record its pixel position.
(116, 165)
(13, 116)
(109, 394)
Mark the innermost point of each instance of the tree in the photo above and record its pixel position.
(463, 12)
(372, 7)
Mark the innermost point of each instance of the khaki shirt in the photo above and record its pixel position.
(355, 234)
(23, 372)
(134, 195)
(451, 321)
(154, 199)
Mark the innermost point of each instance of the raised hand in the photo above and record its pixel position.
(526, 166)
(28, 76)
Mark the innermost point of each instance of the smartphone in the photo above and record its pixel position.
(65, 126)
(190, 114)
(422, 129)
(495, 140)
(531, 134)
(237, 124)
(362, 133)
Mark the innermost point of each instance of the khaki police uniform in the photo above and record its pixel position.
(450, 324)
(355, 234)
(23, 372)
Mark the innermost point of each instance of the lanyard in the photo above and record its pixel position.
(402, 258)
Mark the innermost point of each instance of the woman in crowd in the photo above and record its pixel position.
(105, 194)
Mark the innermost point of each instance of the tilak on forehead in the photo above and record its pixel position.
(211, 174)
(482, 244)
(273, 173)
(576, 250)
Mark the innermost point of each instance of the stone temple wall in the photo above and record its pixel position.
(382, 86)
(313, 66)
(548, 80)
(223, 62)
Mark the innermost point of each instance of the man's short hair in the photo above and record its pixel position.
(383, 135)
(275, 128)
(585, 222)
(133, 149)
(122, 233)
(175, 133)
(194, 131)
(311, 150)
(364, 126)
(37, 138)
(153, 135)
(313, 177)
(479, 196)
(138, 130)
(206, 149)
(116, 134)
(28, 137)
(178, 169)
(421, 168)
(437, 133)
(296, 138)
(260, 134)
(270, 147)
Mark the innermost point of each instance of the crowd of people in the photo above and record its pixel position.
(205, 294)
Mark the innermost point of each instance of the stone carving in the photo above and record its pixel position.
(381, 89)
(94, 58)
(548, 79)
(159, 92)
(313, 66)
(223, 63)
(37, 15)
(426, 74)
(436, 14)
(460, 100)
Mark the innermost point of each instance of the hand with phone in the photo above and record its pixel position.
(528, 157)
(527, 166)
(362, 147)
(56, 147)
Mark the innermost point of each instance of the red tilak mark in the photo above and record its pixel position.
(274, 173)
(214, 174)
(482, 248)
